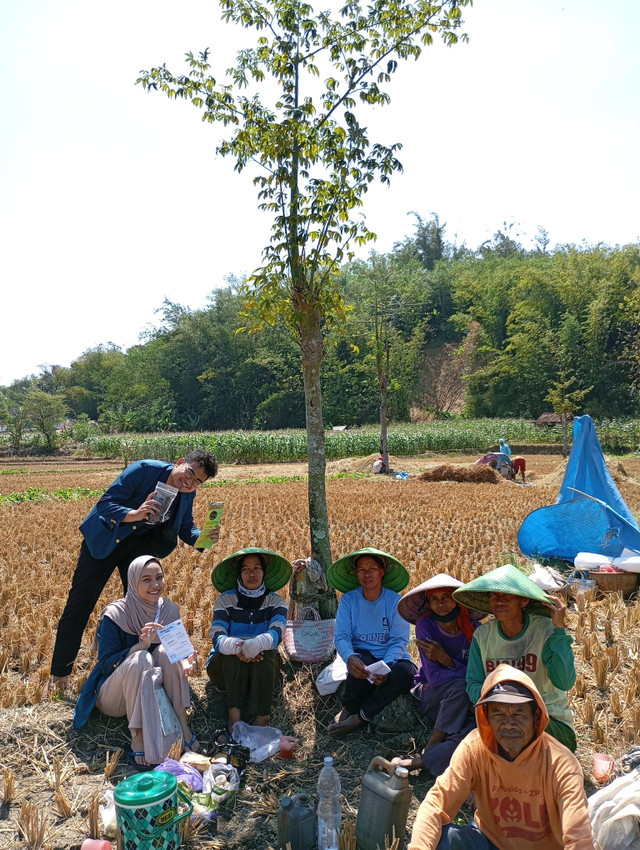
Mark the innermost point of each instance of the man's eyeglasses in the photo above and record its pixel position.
(191, 477)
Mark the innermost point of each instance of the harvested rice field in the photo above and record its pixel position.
(458, 527)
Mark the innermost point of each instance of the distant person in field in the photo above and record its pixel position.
(369, 629)
(504, 448)
(528, 632)
(379, 466)
(132, 664)
(519, 466)
(118, 529)
(249, 619)
(444, 633)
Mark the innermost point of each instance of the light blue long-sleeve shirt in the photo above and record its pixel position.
(375, 626)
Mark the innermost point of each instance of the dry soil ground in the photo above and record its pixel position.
(460, 528)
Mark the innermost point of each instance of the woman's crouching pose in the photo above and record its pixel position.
(134, 673)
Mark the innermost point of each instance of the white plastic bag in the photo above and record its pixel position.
(628, 560)
(262, 741)
(547, 579)
(590, 560)
(221, 781)
(108, 813)
(329, 677)
(220, 784)
(614, 812)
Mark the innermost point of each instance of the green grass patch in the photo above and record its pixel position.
(38, 494)
(461, 435)
(405, 440)
(66, 494)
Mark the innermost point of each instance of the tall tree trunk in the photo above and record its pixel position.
(384, 448)
(311, 345)
(383, 381)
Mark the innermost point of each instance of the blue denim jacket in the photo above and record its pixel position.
(103, 528)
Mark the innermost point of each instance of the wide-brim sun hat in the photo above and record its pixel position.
(415, 604)
(224, 575)
(342, 573)
(507, 579)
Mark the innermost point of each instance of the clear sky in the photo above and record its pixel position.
(112, 199)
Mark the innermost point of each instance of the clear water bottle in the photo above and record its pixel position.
(329, 808)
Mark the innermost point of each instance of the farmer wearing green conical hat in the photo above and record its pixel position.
(249, 618)
(369, 629)
(528, 632)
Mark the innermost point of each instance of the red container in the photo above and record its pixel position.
(287, 746)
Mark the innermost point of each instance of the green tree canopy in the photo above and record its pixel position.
(45, 411)
(293, 103)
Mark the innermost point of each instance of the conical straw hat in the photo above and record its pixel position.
(342, 573)
(278, 572)
(414, 604)
(507, 579)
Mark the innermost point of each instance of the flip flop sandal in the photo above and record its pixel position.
(141, 768)
(188, 745)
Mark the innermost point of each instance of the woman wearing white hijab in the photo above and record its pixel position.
(132, 664)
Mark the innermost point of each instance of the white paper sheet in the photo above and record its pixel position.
(379, 668)
(176, 641)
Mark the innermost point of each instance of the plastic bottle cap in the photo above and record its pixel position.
(402, 772)
(286, 802)
(328, 759)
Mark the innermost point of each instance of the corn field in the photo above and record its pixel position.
(404, 440)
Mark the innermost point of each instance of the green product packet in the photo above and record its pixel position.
(214, 516)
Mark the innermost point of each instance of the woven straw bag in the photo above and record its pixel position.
(309, 639)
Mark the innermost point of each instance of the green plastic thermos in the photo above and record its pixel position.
(384, 804)
(147, 811)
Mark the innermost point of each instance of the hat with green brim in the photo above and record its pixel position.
(507, 579)
(342, 574)
(278, 570)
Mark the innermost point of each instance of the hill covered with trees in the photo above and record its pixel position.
(485, 332)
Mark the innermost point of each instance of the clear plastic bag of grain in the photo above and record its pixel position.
(165, 494)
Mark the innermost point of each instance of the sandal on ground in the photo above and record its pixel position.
(193, 744)
(132, 755)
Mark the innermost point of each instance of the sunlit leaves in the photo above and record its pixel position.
(303, 130)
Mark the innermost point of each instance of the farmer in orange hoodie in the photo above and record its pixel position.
(528, 787)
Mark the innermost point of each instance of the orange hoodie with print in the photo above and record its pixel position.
(536, 801)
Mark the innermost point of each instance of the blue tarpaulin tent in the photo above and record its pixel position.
(594, 519)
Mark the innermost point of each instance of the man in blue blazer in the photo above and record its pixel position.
(120, 527)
